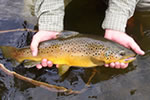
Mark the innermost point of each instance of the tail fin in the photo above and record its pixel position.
(8, 51)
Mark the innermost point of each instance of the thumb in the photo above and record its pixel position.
(34, 47)
(136, 48)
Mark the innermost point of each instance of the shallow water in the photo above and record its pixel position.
(132, 83)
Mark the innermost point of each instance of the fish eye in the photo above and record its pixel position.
(122, 53)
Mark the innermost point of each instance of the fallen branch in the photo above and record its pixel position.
(15, 30)
(40, 84)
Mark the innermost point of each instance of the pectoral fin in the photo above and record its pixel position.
(30, 63)
(97, 62)
(62, 69)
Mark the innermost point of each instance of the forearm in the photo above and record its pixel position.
(117, 14)
(50, 14)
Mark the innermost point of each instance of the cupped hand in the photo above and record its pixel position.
(40, 37)
(124, 40)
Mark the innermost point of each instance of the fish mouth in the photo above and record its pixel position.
(128, 59)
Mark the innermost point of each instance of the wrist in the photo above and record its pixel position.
(47, 33)
(109, 33)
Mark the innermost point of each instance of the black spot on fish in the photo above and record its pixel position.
(96, 54)
(122, 53)
(102, 49)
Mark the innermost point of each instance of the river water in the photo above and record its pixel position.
(83, 16)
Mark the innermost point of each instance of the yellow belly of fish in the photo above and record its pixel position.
(78, 61)
(73, 61)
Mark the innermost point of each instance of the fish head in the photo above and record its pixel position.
(119, 54)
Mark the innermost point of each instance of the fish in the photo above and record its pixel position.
(72, 49)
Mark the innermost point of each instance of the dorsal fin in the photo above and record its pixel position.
(67, 34)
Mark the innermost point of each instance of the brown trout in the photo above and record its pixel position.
(72, 49)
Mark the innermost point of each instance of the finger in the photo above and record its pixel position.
(49, 64)
(106, 65)
(57, 66)
(136, 48)
(38, 66)
(34, 46)
(112, 65)
(44, 62)
(117, 65)
(124, 65)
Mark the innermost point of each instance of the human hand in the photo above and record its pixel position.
(40, 37)
(126, 41)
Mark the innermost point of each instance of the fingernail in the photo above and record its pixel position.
(117, 63)
(49, 62)
(38, 66)
(112, 65)
(57, 66)
(106, 65)
(142, 52)
(45, 60)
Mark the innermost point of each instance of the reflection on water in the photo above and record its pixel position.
(132, 83)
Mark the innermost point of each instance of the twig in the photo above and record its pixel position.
(91, 77)
(38, 83)
(14, 30)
